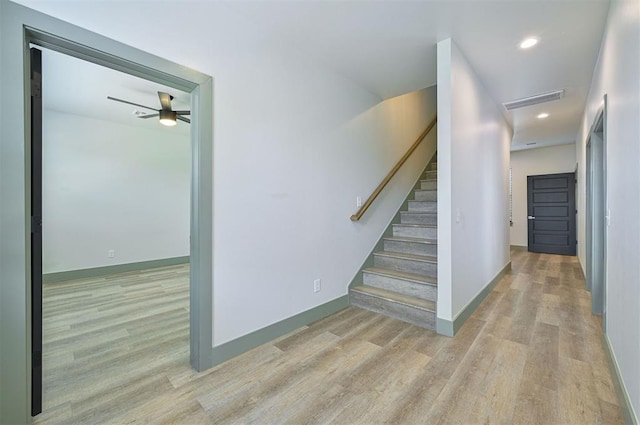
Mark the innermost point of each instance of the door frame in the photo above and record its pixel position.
(35, 69)
(19, 28)
(597, 215)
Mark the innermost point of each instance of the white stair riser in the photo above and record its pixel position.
(429, 184)
(416, 248)
(415, 231)
(426, 195)
(406, 265)
(418, 218)
(434, 166)
(415, 316)
(423, 206)
(418, 290)
(432, 174)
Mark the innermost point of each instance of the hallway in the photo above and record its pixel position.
(531, 354)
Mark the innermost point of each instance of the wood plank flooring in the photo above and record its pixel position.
(116, 352)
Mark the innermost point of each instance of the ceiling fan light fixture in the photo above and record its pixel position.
(167, 118)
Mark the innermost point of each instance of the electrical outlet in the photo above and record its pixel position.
(358, 201)
(317, 285)
(111, 253)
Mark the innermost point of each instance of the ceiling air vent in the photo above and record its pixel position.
(534, 100)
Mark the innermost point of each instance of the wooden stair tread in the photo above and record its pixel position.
(417, 278)
(395, 297)
(410, 239)
(405, 256)
(419, 212)
(415, 225)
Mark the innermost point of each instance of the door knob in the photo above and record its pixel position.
(530, 217)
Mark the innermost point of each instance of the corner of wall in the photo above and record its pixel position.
(444, 82)
(467, 154)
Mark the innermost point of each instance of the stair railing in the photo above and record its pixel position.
(393, 172)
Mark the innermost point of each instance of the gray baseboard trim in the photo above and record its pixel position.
(518, 248)
(116, 268)
(630, 416)
(450, 328)
(444, 327)
(228, 350)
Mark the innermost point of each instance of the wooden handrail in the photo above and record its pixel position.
(393, 172)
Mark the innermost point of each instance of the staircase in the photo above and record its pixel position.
(403, 280)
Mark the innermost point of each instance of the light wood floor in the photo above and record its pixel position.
(116, 351)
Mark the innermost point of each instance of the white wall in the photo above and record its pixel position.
(617, 74)
(533, 162)
(112, 186)
(294, 144)
(282, 218)
(473, 170)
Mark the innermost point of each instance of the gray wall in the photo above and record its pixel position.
(617, 75)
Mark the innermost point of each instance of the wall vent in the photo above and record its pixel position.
(534, 100)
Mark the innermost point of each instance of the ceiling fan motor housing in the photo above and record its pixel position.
(167, 117)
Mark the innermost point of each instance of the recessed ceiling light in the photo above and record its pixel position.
(543, 115)
(529, 42)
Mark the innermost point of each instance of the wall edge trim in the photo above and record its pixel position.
(233, 348)
(116, 268)
(582, 269)
(477, 300)
(630, 416)
(444, 327)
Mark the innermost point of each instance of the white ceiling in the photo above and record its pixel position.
(81, 88)
(389, 47)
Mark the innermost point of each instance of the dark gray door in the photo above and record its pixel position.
(551, 209)
(36, 231)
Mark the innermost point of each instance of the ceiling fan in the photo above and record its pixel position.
(167, 115)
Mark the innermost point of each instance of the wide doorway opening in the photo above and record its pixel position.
(115, 188)
(106, 309)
